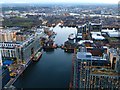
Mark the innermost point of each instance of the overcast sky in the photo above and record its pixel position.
(59, 1)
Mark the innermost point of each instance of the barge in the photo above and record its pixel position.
(37, 56)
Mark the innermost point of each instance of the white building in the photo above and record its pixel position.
(114, 34)
(111, 33)
(97, 36)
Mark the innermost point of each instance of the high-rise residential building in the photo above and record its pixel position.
(81, 73)
(82, 68)
(91, 72)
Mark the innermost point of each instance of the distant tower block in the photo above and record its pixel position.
(0, 59)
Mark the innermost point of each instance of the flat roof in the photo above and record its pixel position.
(79, 36)
(108, 30)
(95, 33)
(105, 47)
(83, 41)
(84, 55)
(114, 34)
(88, 56)
(96, 37)
(95, 23)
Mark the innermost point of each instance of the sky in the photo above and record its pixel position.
(61, 1)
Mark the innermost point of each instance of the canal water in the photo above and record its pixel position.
(53, 70)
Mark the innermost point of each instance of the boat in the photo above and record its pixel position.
(69, 46)
(71, 36)
(37, 56)
(49, 46)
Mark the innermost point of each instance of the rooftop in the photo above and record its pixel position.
(108, 30)
(12, 29)
(84, 55)
(97, 36)
(95, 23)
(18, 43)
(83, 41)
(88, 56)
(114, 34)
(96, 33)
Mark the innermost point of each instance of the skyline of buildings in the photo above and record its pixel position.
(62, 1)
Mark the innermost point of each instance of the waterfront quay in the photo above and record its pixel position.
(58, 69)
(17, 52)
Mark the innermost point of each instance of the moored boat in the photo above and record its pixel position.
(71, 36)
(37, 56)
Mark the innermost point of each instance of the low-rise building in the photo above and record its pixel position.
(96, 50)
(97, 36)
(9, 34)
(95, 27)
(111, 32)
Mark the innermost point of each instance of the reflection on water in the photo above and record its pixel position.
(62, 34)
